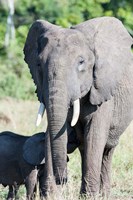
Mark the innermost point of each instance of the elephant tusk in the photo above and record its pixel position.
(40, 114)
(76, 111)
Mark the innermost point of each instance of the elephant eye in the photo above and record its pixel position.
(81, 62)
(81, 65)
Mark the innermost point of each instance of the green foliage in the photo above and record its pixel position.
(3, 194)
(64, 13)
(12, 85)
(123, 10)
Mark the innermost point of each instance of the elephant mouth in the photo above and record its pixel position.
(75, 117)
(84, 92)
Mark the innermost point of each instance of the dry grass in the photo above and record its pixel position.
(19, 116)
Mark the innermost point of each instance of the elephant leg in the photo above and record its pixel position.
(106, 172)
(16, 192)
(46, 181)
(11, 193)
(95, 138)
(91, 169)
(30, 185)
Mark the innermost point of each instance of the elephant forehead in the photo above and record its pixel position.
(64, 47)
(73, 45)
(74, 38)
(65, 38)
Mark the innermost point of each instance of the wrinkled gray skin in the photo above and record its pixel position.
(14, 169)
(91, 61)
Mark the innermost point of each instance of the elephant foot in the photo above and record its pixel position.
(47, 189)
(93, 193)
(89, 193)
(105, 193)
(105, 189)
(46, 192)
(50, 195)
(88, 196)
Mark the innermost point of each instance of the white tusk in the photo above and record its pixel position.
(76, 111)
(40, 114)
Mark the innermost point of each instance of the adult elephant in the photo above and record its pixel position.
(90, 66)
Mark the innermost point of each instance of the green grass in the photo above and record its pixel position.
(19, 116)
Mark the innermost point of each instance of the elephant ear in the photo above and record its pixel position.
(111, 45)
(34, 149)
(32, 48)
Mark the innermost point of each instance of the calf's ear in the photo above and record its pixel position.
(34, 149)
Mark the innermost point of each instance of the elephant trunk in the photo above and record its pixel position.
(57, 114)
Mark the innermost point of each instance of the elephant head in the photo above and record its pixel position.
(67, 64)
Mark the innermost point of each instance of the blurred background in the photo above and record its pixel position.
(18, 101)
(16, 16)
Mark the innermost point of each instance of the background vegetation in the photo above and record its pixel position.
(15, 79)
(16, 82)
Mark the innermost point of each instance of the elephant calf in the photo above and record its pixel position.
(22, 160)
(14, 169)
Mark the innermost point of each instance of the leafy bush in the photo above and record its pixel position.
(14, 86)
